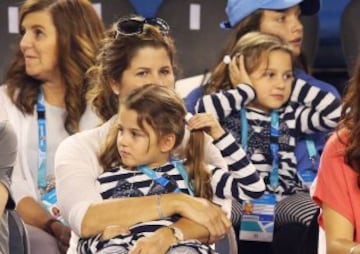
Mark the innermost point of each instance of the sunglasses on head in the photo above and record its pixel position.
(133, 26)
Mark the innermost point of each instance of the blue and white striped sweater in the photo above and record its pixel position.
(309, 110)
(241, 182)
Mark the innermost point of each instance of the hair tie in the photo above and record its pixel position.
(227, 59)
(187, 118)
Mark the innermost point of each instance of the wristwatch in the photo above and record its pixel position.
(178, 234)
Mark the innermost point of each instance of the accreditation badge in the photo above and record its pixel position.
(257, 222)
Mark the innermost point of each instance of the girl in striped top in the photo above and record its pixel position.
(267, 111)
(139, 157)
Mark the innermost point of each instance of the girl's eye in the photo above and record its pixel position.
(136, 134)
(289, 76)
(269, 74)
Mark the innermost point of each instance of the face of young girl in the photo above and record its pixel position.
(136, 146)
(272, 81)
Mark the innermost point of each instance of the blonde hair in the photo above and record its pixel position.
(162, 109)
(253, 46)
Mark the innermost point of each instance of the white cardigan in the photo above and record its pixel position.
(23, 182)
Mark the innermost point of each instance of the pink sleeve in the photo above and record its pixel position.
(333, 179)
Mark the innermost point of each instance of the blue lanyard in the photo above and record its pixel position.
(310, 145)
(274, 143)
(163, 181)
(180, 167)
(274, 147)
(40, 109)
(244, 129)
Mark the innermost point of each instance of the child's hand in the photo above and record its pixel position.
(158, 242)
(112, 231)
(207, 122)
(237, 71)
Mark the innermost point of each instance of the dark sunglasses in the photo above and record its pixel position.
(133, 26)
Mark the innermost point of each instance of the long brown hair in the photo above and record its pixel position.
(350, 121)
(115, 57)
(80, 31)
(162, 109)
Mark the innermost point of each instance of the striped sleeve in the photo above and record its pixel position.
(223, 103)
(318, 110)
(242, 181)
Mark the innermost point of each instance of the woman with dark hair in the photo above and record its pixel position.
(44, 99)
(337, 188)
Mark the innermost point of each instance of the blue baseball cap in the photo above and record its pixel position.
(237, 10)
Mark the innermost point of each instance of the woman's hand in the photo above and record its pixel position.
(207, 122)
(207, 214)
(62, 234)
(237, 71)
(157, 243)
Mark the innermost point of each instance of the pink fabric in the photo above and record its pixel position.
(337, 183)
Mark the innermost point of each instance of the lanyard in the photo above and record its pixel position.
(165, 182)
(310, 145)
(274, 147)
(244, 129)
(274, 143)
(40, 109)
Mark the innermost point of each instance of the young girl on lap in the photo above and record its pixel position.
(139, 159)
